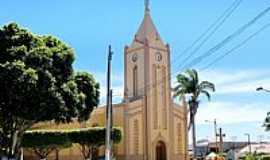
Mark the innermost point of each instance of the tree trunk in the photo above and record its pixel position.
(194, 137)
(87, 152)
(90, 153)
(56, 154)
(41, 154)
(14, 145)
(21, 155)
(12, 152)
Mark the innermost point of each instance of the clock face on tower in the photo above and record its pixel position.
(158, 56)
(134, 57)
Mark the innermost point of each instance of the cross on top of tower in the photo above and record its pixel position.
(147, 9)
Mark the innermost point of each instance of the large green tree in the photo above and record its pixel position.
(38, 83)
(188, 83)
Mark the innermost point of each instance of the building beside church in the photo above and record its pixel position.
(154, 127)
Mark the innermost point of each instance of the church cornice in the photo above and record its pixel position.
(132, 50)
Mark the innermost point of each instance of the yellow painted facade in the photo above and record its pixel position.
(154, 127)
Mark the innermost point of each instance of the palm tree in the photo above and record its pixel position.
(267, 122)
(188, 83)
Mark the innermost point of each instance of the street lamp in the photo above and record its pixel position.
(249, 144)
(215, 130)
(262, 89)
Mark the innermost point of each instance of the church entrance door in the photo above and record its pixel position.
(161, 151)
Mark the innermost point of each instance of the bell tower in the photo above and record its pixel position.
(147, 78)
(146, 59)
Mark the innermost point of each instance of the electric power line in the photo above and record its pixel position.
(237, 46)
(226, 40)
(225, 16)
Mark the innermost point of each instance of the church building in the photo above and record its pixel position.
(154, 127)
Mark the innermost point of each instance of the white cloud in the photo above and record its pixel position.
(241, 81)
(222, 77)
(244, 87)
(232, 112)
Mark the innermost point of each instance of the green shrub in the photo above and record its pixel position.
(92, 138)
(43, 142)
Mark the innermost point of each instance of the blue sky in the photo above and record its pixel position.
(90, 26)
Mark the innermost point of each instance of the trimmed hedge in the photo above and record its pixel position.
(94, 136)
(45, 141)
(44, 138)
(91, 139)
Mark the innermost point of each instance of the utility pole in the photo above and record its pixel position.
(108, 150)
(221, 135)
(215, 126)
(249, 144)
(215, 131)
(111, 128)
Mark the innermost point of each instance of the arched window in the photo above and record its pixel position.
(135, 81)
